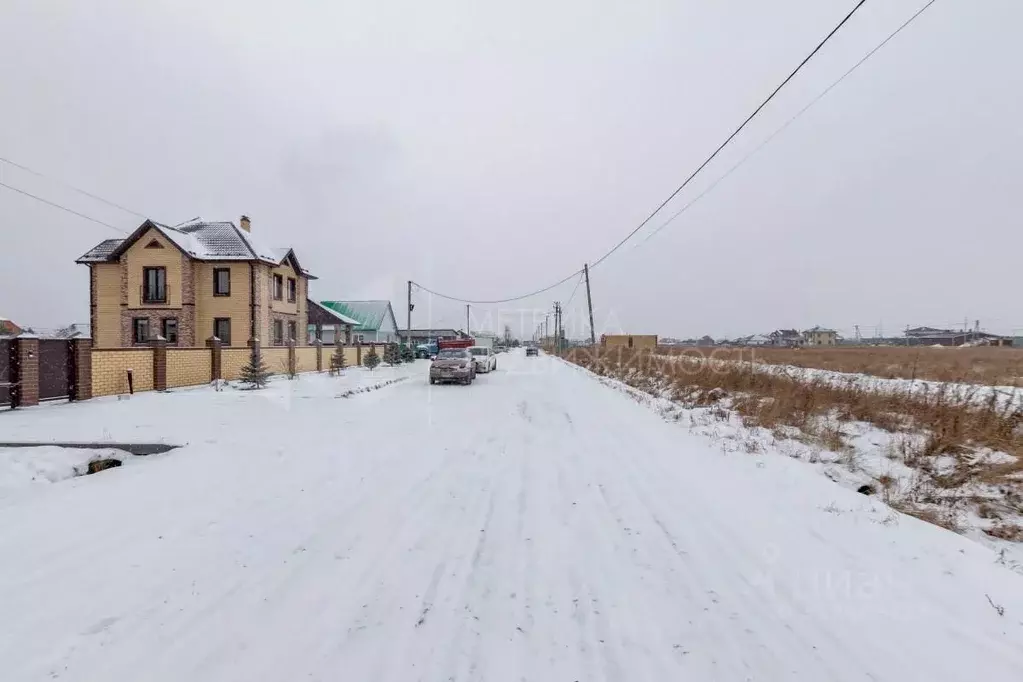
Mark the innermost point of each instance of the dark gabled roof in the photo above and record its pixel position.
(324, 315)
(201, 240)
(101, 251)
(430, 332)
(929, 330)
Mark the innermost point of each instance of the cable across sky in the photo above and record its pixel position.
(686, 182)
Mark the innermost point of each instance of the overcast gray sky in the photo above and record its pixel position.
(488, 149)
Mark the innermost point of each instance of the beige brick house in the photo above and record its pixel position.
(192, 282)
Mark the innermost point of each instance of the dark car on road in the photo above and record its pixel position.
(453, 365)
(532, 350)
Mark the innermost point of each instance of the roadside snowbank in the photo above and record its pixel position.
(870, 457)
(24, 467)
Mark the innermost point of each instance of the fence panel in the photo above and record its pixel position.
(54, 368)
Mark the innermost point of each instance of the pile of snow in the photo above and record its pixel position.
(23, 467)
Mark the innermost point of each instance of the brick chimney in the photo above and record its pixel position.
(246, 224)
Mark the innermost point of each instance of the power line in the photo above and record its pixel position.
(576, 288)
(63, 208)
(503, 300)
(72, 187)
(792, 120)
(689, 179)
(749, 118)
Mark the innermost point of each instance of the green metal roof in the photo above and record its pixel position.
(369, 314)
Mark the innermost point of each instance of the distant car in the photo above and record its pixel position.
(532, 350)
(484, 358)
(453, 365)
(426, 350)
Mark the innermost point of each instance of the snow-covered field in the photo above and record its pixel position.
(533, 526)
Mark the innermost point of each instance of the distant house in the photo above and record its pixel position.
(427, 335)
(8, 328)
(930, 336)
(376, 322)
(788, 338)
(819, 336)
(752, 340)
(643, 341)
(329, 326)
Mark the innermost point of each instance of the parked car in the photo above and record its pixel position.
(452, 365)
(485, 359)
(426, 350)
(532, 350)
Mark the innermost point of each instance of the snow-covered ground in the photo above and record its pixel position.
(535, 526)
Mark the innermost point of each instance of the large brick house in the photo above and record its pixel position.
(192, 282)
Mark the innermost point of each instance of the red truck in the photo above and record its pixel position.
(464, 342)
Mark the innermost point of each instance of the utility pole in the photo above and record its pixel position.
(557, 327)
(408, 327)
(467, 333)
(589, 304)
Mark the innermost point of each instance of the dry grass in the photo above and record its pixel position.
(985, 365)
(937, 433)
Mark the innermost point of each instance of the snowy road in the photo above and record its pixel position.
(535, 526)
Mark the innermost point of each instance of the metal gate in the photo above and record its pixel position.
(5, 373)
(54, 369)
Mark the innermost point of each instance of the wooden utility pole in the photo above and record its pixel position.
(408, 326)
(467, 333)
(589, 304)
(557, 326)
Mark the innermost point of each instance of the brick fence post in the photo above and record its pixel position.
(216, 347)
(358, 353)
(319, 354)
(25, 371)
(292, 363)
(159, 346)
(80, 376)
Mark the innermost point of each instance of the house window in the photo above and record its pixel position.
(360, 338)
(170, 329)
(154, 285)
(140, 329)
(222, 330)
(278, 290)
(292, 331)
(221, 281)
(292, 290)
(278, 332)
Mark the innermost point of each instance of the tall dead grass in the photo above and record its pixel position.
(986, 365)
(941, 423)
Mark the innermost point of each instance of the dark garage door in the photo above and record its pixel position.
(54, 368)
(5, 373)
